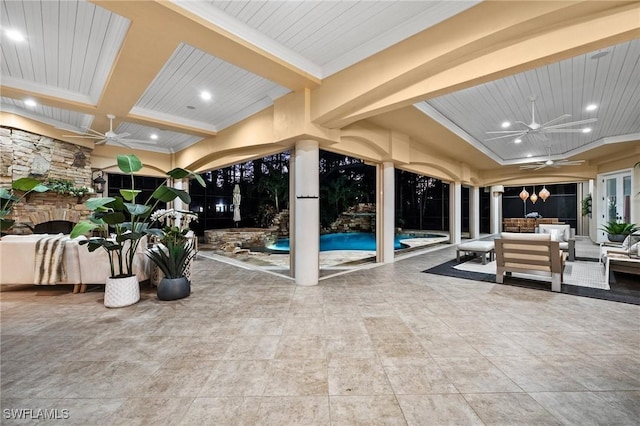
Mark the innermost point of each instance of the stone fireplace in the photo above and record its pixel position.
(27, 154)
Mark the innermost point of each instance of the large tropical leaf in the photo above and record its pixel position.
(136, 209)
(112, 218)
(129, 163)
(5, 194)
(95, 203)
(179, 173)
(129, 194)
(27, 184)
(82, 228)
(166, 194)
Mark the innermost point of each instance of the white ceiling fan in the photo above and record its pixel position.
(538, 129)
(109, 136)
(550, 163)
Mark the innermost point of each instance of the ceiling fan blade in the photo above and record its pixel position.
(84, 136)
(562, 117)
(570, 163)
(122, 135)
(119, 142)
(507, 136)
(101, 142)
(572, 123)
(541, 166)
(525, 124)
(507, 131)
(529, 166)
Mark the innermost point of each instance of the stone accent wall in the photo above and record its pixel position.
(359, 218)
(25, 154)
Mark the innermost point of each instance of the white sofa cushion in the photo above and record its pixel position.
(562, 232)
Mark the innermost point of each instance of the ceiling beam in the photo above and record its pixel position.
(489, 41)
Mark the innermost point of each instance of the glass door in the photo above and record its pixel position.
(616, 200)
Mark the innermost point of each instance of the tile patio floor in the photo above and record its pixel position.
(385, 345)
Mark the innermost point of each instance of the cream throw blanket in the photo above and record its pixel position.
(49, 265)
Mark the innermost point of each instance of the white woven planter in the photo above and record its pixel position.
(120, 292)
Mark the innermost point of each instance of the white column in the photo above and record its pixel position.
(495, 209)
(387, 199)
(455, 212)
(182, 184)
(306, 233)
(474, 212)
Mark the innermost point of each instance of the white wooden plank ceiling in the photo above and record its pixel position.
(72, 45)
(612, 82)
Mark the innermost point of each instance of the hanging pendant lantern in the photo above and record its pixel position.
(524, 195)
(534, 198)
(544, 194)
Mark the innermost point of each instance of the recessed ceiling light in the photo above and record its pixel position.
(505, 124)
(591, 107)
(586, 130)
(154, 136)
(204, 95)
(30, 102)
(14, 35)
(517, 140)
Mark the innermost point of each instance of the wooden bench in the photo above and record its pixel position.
(529, 254)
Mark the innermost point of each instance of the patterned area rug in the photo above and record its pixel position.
(581, 278)
(581, 273)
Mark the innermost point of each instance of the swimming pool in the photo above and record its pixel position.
(351, 241)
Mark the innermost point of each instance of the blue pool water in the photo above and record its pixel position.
(350, 241)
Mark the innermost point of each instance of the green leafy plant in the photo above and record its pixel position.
(586, 205)
(10, 197)
(174, 253)
(128, 220)
(66, 187)
(619, 228)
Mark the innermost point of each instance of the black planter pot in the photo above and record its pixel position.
(616, 238)
(174, 288)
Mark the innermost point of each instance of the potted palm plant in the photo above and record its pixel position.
(174, 253)
(122, 223)
(618, 231)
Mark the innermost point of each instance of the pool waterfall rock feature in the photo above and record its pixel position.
(237, 240)
(358, 218)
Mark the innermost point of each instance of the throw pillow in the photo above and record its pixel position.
(625, 243)
(555, 235)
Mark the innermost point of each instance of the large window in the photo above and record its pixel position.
(562, 204)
